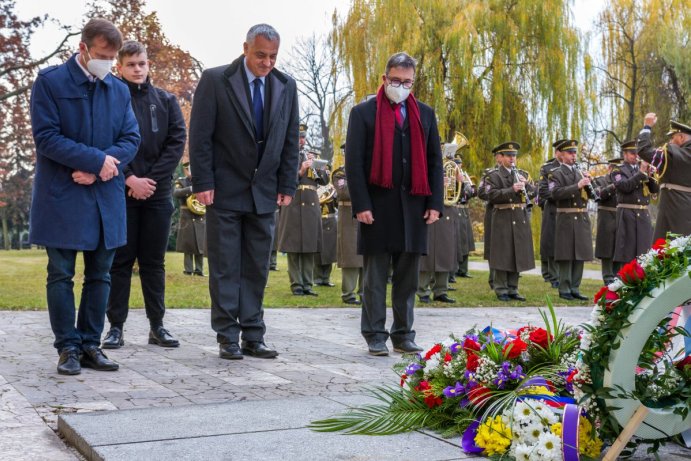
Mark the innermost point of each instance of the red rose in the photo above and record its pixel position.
(433, 401)
(470, 345)
(540, 337)
(683, 363)
(610, 297)
(472, 362)
(631, 273)
(423, 386)
(599, 294)
(517, 346)
(436, 348)
(478, 396)
(447, 357)
(660, 245)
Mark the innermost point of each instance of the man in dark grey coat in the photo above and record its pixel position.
(550, 269)
(574, 245)
(634, 186)
(346, 241)
(510, 193)
(244, 158)
(395, 180)
(191, 238)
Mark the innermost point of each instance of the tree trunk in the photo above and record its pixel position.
(5, 232)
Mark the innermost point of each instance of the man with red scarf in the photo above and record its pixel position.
(396, 184)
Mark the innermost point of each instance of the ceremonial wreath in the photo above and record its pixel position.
(540, 393)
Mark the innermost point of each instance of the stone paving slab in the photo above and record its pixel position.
(321, 355)
(240, 430)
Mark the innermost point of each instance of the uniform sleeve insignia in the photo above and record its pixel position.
(552, 185)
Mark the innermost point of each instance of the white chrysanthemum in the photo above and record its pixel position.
(616, 285)
(549, 447)
(523, 413)
(595, 316)
(680, 242)
(523, 452)
(548, 416)
(531, 433)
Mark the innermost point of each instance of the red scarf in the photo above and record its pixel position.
(382, 156)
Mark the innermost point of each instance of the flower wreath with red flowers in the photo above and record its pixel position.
(663, 374)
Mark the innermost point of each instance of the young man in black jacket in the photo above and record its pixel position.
(149, 199)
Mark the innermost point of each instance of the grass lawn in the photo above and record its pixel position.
(23, 278)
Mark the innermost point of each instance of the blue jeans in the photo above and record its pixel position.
(92, 307)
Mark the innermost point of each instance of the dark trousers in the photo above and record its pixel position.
(322, 273)
(194, 263)
(570, 275)
(239, 244)
(301, 270)
(351, 283)
(462, 265)
(505, 283)
(92, 305)
(433, 283)
(609, 270)
(148, 228)
(404, 284)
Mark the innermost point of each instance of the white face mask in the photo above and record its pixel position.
(396, 94)
(99, 67)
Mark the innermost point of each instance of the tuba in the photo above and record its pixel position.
(326, 193)
(195, 206)
(452, 186)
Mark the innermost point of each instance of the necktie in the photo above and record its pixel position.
(258, 110)
(399, 115)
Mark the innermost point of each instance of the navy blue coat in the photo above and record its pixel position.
(72, 134)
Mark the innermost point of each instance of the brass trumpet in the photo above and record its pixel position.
(195, 206)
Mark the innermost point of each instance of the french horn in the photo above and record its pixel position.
(195, 206)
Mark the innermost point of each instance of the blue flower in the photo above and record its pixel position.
(412, 368)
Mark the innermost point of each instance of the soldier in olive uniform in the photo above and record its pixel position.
(323, 264)
(509, 192)
(550, 269)
(191, 239)
(570, 189)
(673, 164)
(300, 228)
(606, 223)
(634, 186)
(482, 193)
(346, 242)
(464, 227)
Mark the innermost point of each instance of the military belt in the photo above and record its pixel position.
(607, 208)
(329, 215)
(509, 206)
(345, 204)
(571, 210)
(461, 206)
(307, 187)
(667, 185)
(632, 207)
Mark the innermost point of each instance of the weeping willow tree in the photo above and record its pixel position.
(495, 70)
(646, 64)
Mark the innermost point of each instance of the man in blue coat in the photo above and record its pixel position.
(85, 133)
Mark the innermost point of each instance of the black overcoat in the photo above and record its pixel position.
(399, 225)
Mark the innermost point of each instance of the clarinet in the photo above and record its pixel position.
(591, 190)
(514, 172)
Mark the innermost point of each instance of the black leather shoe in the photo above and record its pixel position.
(162, 337)
(298, 292)
(452, 279)
(326, 284)
(93, 357)
(114, 339)
(310, 292)
(568, 296)
(555, 284)
(407, 347)
(517, 297)
(273, 268)
(466, 276)
(354, 301)
(503, 298)
(230, 351)
(378, 349)
(199, 273)
(579, 296)
(425, 299)
(444, 298)
(68, 363)
(258, 349)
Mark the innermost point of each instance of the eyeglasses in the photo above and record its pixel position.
(407, 84)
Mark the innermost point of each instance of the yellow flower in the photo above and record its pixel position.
(536, 390)
(493, 436)
(556, 429)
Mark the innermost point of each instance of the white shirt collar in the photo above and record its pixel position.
(84, 69)
(250, 76)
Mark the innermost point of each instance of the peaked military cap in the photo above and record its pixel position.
(678, 127)
(303, 130)
(508, 148)
(558, 142)
(628, 146)
(567, 144)
(616, 160)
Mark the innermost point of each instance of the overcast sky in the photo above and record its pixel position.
(213, 30)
